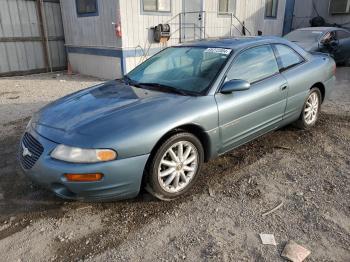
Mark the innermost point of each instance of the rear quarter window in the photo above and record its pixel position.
(287, 57)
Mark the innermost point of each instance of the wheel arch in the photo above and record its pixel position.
(193, 129)
(322, 89)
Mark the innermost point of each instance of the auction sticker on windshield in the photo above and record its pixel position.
(223, 51)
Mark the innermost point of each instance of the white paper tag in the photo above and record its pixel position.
(223, 51)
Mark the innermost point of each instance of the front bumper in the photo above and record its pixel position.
(122, 178)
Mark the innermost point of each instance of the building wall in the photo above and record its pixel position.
(137, 35)
(95, 35)
(254, 16)
(105, 67)
(91, 40)
(21, 46)
(88, 31)
(304, 11)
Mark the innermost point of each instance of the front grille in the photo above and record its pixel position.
(29, 151)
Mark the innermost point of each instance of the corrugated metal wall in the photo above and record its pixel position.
(23, 48)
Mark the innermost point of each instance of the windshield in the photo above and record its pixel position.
(188, 70)
(304, 36)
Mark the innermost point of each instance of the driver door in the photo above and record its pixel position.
(244, 115)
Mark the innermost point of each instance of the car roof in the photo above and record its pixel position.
(322, 28)
(236, 43)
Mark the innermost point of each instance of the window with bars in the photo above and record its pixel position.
(339, 7)
(156, 6)
(271, 8)
(227, 6)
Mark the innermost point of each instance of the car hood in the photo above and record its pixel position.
(112, 105)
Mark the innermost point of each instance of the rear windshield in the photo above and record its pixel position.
(304, 36)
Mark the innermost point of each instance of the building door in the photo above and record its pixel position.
(288, 16)
(192, 18)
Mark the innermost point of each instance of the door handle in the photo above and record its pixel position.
(284, 87)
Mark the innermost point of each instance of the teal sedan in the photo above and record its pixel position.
(156, 127)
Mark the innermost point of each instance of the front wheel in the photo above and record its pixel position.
(175, 166)
(311, 110)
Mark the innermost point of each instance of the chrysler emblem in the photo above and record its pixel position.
(26, 151)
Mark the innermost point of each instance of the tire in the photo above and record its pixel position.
(169, 176)
(305, 120)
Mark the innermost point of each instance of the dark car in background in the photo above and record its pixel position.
(332, 40)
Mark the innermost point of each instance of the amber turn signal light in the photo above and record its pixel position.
(83, 177)
(106, 155)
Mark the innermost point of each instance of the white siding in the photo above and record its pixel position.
(137, 32)
(91, 31)
(136, 26)
(220, 25)
(251, 12)
(254, 17)
(101, 66)
(137, 36)
(96, 33)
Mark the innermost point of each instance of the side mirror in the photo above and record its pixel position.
(234, 85)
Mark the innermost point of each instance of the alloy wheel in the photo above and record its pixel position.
(311, 108)
(178, 166)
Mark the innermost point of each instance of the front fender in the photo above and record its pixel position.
(142, 136)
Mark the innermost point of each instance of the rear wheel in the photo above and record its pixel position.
(175, 166)
(311, 109)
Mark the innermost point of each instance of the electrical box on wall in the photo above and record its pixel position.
(161, 33)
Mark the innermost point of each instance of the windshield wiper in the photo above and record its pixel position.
(168, 88)
(131, 82)
(126, 79)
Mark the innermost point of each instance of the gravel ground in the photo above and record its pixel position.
(307, 171)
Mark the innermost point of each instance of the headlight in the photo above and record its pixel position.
(81, 155)
(33, 120)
